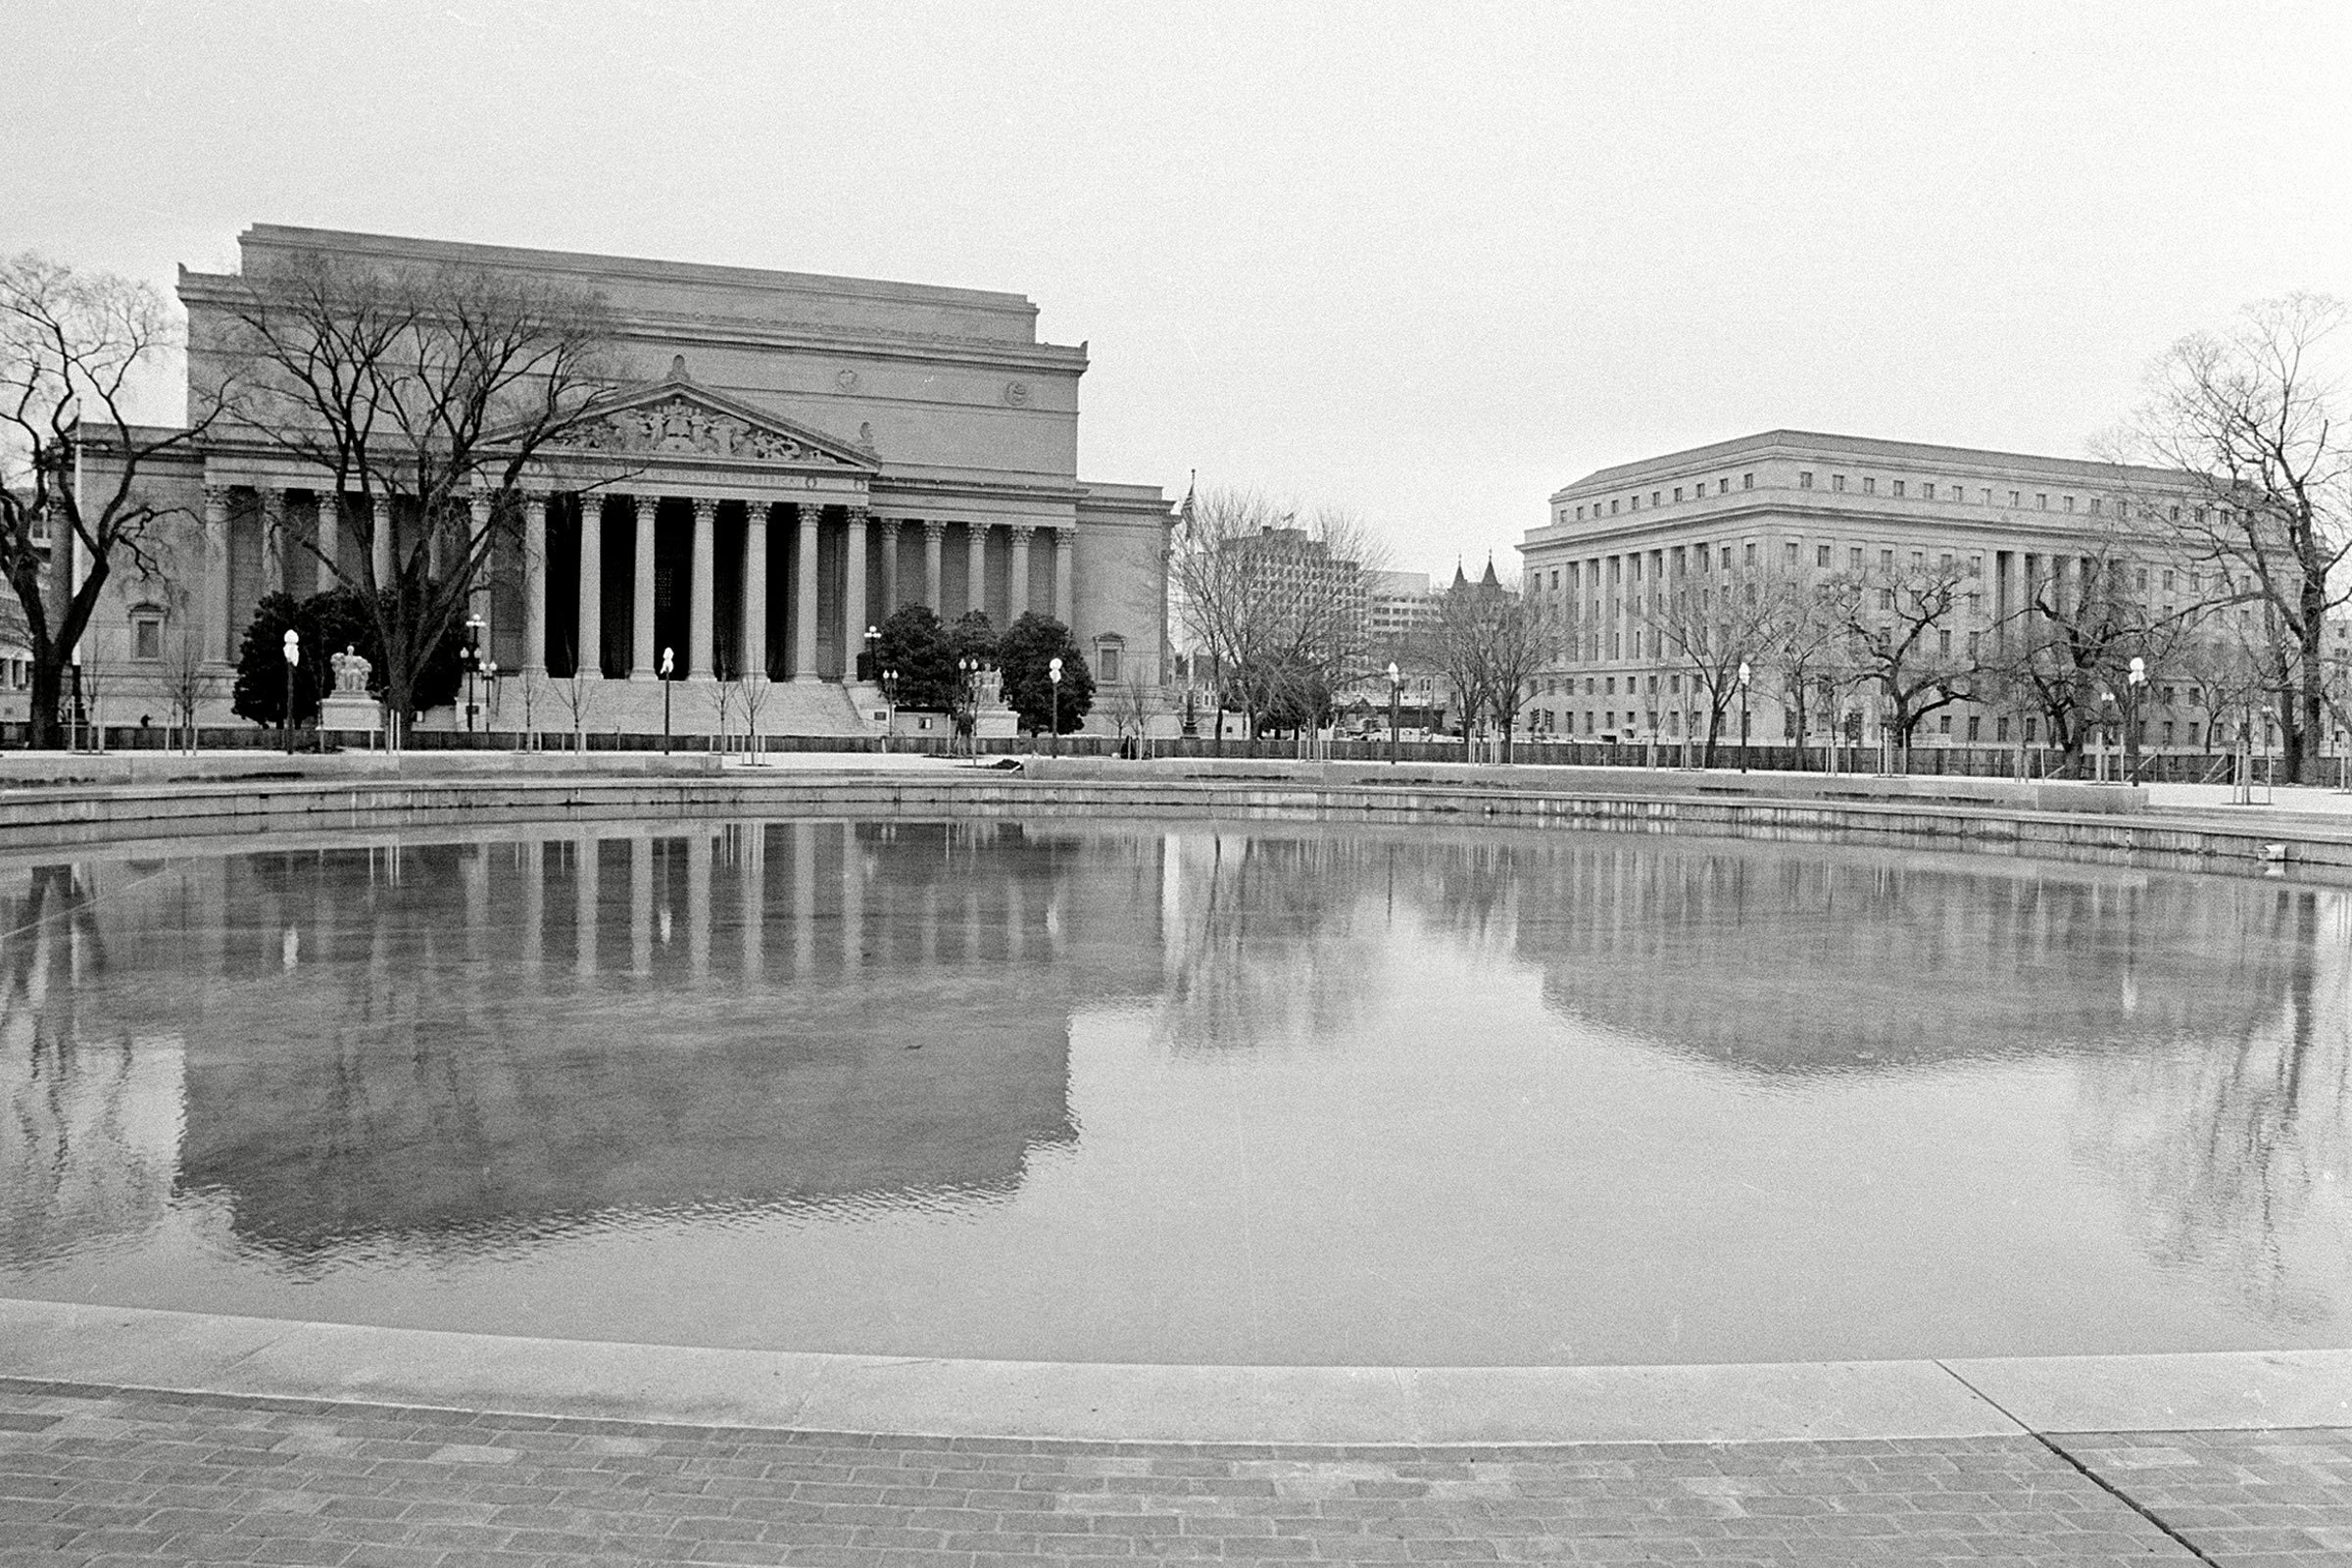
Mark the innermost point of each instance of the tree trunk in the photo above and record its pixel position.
(48, 682)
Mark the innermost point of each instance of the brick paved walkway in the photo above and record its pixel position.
(97, 1476)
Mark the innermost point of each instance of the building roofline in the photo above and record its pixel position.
(1830, 444)
(294, 236)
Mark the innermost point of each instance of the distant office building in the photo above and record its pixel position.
(1622, 542)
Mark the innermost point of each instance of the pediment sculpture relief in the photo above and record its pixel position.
(683, 425)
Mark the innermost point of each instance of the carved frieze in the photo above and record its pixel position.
(683, 425)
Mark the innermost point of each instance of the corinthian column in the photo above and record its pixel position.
(478, 562)
(588, 633)
(216, 570)
(1016, 586)
(534, 583)
(700, 644)
(329, 537)
(804, 610)
(274, 542)
(641, 624)
(1065, 596)
(975, 582)
(887, 541)
(853, 595)
(935, 535)
(755, 588)
(380, 528)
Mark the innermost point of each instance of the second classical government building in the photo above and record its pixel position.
(800, 454)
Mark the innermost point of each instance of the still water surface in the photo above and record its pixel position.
(1206, 1093)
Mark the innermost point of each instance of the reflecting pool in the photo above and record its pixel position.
(1196, 1093)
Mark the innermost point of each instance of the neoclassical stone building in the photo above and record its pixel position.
(797, 456)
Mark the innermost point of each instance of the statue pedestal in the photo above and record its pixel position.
(996, 723)
(351, 711)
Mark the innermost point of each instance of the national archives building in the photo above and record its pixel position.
(800, 454)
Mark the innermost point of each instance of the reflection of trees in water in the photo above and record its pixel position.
(2233, 1150)
(1272, 940)
(88, 1127)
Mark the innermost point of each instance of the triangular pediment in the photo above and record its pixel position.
(676, 418)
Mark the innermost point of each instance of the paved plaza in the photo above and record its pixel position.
(108, 1476)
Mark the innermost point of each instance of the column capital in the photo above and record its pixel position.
(479, 504)
(535, 501)
(215, 499)
(755, 510)
(859, 517)
(935, 527)
(705, 508)
(1024, 532)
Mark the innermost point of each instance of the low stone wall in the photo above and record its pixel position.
(43, 820)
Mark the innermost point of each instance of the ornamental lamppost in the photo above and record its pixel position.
(967, 686)
(2134, 679)
(293, 651)
(473, 665)
(873, 639)
(1743, 674)
(1395, 708)
(668, 662)
(889, 695)
(489, 693)
(1053, 674)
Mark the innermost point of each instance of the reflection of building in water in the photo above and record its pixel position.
(1778, 961)
(431, 1040)
(89, 1124)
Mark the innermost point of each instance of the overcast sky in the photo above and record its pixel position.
(1425, 262)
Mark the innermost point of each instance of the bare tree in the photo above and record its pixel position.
(1278, 605)
(576, 695)
(1524, 636)
(1899, 638)
(2252, 416)
(721, 696)
(1131, 705)
(418, 390)
(2066, 651)
(185, 680)
(1803, 645)
(75, 501)
(756, 691)
(1709, 624)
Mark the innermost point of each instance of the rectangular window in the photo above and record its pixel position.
(1975, 729)
(1580, 514)
(1653, 498)
(1975, 604)
(1975, 566)
(1804, 479)
(1986, 495)
(2139, 580)
(1634, 504)
(2000, 729)
(1677, 492)
(1790, 553)
(1885, 598)
(1870, 485)
(1918, 561)
(1899, 489)
(1944, 642)
(1927, 490)
(1723, 488)
(1837, 482)
(1748, 557)
(2067, 501)
(1748, 481)
(1821, 556)
(1613, 506)
(2030, 727)
(2168, 582)
(146, 637)
(1107, 666)
(1972, 645)
(1943, 723)
(1853, 559)
(1726, 562)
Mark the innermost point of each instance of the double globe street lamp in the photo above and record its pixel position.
(1395, 708)
(669, 662)
(1743, 674)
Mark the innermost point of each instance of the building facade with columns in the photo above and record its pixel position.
(782, 461)
(1804, 506)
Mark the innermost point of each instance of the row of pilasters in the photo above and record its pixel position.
(845, 578)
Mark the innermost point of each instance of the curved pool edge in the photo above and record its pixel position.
(44, 1342)
(2071, 822)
